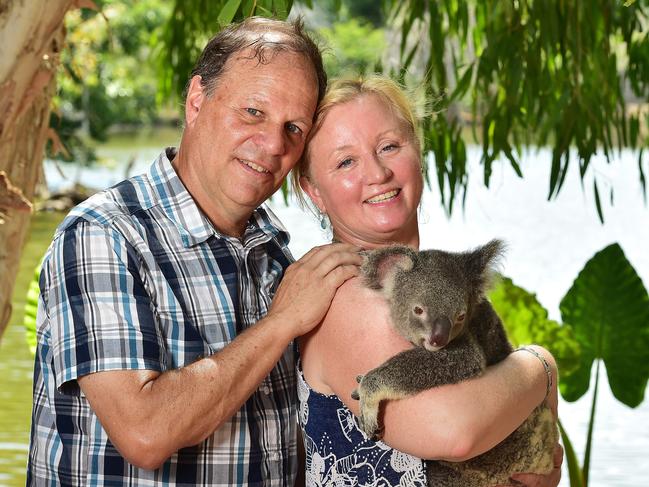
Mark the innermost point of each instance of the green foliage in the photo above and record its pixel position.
(574, 472)
(353, 48)
(526, 321)
(606, 316)
(192, 23)
(608, 309)
(107, 76)
(343, 10)
(527, 72)
(31, 306)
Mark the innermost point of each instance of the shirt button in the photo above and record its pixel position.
(266, 390)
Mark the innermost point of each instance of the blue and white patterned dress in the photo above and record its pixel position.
(339, 454)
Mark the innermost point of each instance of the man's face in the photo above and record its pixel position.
(248, 134)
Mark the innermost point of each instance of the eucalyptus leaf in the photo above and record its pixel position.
(608, 309)
(229, 10)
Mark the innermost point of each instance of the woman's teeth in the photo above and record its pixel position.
(384, 196)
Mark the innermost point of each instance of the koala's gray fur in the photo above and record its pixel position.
(437, 301)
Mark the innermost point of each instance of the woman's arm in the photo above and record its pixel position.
(451, 422)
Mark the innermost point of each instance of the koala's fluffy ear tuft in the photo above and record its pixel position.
(483, 264)
(382, 264)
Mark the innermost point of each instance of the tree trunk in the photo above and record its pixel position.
(31, 38)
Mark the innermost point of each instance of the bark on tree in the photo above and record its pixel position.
(31, 37)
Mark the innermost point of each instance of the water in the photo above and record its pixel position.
(549, 243)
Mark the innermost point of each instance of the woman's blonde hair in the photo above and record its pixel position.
(342, 91)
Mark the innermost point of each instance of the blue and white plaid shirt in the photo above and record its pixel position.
(138, 278)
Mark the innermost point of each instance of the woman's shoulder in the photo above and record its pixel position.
(358, 322)
(356, 307)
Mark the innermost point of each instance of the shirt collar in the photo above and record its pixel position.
(193, 225)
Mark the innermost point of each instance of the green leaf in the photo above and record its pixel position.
(248, 8)
(285, 191)
(526, 321)
(281, 9)
(463, 84)
(574, 470)
(598, 203)
(643, 179)
(634, 129)
(31, 306)
(228, 12)
(608, 310)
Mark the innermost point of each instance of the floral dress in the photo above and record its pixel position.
(339, 454)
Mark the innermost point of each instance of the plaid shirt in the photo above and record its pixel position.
(138, 278)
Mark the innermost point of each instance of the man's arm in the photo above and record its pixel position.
(451, 422)
(149, 415)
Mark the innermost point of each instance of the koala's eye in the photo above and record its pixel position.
(461, 317)
(418, 310)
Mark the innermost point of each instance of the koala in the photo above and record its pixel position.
(437, 301)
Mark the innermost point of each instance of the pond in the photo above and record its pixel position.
(549, 243)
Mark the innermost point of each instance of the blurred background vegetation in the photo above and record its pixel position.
(573, 76)
(113, 77)
(505, 75)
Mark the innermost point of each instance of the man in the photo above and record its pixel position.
(160, 359)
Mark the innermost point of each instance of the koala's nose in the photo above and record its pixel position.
(441, 331)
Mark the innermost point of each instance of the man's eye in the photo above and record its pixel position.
(253, 111)
(389, 147)
(294, 129)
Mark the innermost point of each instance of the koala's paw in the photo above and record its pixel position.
(367, 393)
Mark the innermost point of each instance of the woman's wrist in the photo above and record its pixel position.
(548, 368)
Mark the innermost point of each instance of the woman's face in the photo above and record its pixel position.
(365, 174)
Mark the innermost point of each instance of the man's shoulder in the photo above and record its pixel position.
(103, 208)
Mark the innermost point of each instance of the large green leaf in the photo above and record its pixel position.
(526, 321)
(608, 309)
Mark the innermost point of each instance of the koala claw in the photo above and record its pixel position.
(366, 393)
(369, 425)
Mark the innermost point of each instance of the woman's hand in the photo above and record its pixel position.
(549, 480)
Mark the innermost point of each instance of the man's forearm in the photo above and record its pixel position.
(149, 415)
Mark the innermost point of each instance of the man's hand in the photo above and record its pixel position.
(549, 480)
(309, 284)
(149, 415)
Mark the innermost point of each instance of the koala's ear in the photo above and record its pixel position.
(483, 264)
(381, 265)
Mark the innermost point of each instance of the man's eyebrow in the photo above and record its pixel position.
(255, 98)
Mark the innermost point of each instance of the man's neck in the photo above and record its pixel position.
(226, 220)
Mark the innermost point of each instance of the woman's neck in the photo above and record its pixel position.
(409, 240)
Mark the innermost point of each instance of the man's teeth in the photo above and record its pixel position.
(384, 196)
(253, 166)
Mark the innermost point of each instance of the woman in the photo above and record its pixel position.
(362, 169)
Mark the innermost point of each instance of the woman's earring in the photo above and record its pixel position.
(323, 221)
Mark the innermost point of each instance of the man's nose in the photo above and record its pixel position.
(272, 139)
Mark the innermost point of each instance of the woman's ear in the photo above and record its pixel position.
(194, 100)
(312, 192)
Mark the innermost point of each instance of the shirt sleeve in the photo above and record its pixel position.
(100, 313)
